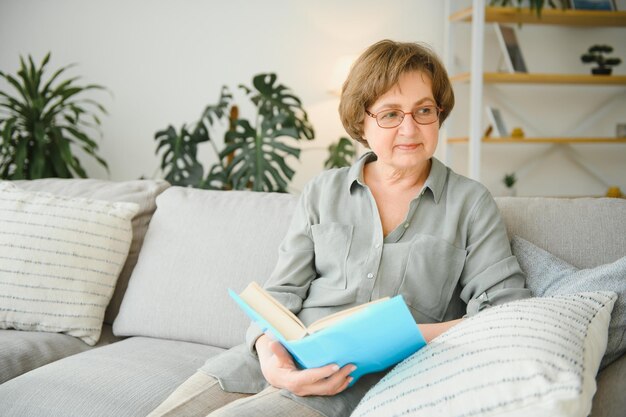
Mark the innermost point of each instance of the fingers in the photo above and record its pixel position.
(327, 380)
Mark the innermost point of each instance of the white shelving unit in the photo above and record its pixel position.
(478, 15)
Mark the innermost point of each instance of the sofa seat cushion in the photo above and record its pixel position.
(21, 352)
(124, 379)
(141, 192)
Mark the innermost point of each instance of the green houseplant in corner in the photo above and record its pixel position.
(255, 153)
(41, 124)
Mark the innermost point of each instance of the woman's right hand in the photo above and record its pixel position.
(280, 370)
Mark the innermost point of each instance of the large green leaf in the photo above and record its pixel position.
(40, 125)
(341, 154)
(180, 150)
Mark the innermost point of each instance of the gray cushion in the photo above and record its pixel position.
(142, 192)
(199, 244)
(21, 351)
(548, 275)
(128, 378)
(584, 232)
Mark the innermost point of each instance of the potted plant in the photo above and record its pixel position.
(42, 124)
(256, 150)
(596, 54)
(536, 5)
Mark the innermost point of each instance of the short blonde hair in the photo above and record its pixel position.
(378, 69)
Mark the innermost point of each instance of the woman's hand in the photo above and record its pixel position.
(280, 371)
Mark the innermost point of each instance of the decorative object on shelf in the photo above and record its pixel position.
(607, 5)
(495, 118)
(620, 130)
(509, 181)
(517, 133)
(536, 5)
(341, 154)
(510, 48)
(614, 192)
(41, 126)
(596, 54)
(254, 156)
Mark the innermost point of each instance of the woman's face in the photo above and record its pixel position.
(410, 144)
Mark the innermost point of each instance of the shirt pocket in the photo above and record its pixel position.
(331, 242)
(432, 272)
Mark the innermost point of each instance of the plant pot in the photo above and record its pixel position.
(601, 71)
(510, 192)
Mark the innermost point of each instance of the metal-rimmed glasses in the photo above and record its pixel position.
(390, 118)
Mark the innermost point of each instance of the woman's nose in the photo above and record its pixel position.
(408, 124)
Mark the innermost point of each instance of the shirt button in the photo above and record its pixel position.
(406, 225)
(370, 275)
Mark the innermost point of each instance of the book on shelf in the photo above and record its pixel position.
(510, 48)
(373, 336)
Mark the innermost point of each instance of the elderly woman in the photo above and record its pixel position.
(397, 222)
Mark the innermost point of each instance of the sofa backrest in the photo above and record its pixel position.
(201, 243)
(585, 232)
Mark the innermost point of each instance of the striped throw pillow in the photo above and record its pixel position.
(59, 260)
(532, 357)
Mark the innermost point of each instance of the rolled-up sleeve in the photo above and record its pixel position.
(491, 274)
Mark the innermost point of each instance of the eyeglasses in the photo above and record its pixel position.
(390, 118)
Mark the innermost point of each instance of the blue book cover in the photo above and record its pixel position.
(374, 337)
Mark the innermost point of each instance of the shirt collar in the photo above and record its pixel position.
(435, 182)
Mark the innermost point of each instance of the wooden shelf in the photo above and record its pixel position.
(567, 17)
(528, 78)
(542, 140)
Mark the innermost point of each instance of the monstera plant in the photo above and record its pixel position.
(340, 154)
(44, 121)
(255, 153)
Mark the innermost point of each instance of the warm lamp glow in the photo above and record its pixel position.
(340, 72)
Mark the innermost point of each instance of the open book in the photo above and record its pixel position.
(372, 336)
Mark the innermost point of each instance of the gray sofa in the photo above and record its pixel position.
(170, 311)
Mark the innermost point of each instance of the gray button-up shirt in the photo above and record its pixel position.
(450, 257)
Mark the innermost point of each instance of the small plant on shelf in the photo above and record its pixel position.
(509, 181)
(596, 53)
(533, 5)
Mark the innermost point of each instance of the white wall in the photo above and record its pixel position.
(165, 60)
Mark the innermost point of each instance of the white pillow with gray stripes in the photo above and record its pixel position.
(531, 357)
(59, 260)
